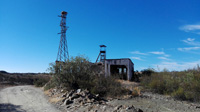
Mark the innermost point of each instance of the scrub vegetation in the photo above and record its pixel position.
(182, 85)
(76, 73)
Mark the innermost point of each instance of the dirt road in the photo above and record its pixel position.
(24, 99)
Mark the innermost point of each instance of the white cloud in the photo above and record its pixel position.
(136, 58)
(195, 28)
(191, 41)
(190, 27)
(163, 58)
(188, 48)
(176, 66)
(166, 55)
(138, 52)
(153, 52)
(157, 52)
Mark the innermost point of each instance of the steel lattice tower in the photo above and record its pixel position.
(63, 54)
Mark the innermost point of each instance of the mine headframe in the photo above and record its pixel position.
(102, 54)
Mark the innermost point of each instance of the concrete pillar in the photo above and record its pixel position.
(108, 70)
(128, 71)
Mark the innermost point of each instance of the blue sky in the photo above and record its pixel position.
(153, 33)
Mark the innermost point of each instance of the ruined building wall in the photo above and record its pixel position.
(119, 62)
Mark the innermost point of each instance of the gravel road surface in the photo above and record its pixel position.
(24, 99)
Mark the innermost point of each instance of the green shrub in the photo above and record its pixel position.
(179, 94)
(74, 73)
(107, 86)
(41, 81)
(49, 85)
(147, 72)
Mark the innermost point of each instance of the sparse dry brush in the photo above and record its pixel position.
(183, 85)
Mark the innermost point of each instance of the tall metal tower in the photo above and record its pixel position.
(102, 55)
(63, 54)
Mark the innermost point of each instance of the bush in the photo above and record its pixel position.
(107, 86)
(49, 85)
(147, 72)
(76, 73)
(41, 81)
(179, 94)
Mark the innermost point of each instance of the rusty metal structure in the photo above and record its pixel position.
(102, 54)
(63, 54)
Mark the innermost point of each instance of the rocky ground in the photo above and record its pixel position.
(30, 99)
(150, 102)
(81, 100)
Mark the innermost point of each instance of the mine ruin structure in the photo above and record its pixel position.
(122, 67)
(102, 54)
(63, 54)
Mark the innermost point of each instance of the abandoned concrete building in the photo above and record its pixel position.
(123, 67)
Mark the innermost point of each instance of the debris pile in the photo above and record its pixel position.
(83, 100)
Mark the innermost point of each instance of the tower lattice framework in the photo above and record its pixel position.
(102, 55)
(63, 54)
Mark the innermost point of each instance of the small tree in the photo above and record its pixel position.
(74, 73)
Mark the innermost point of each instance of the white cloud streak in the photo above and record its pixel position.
(138, 52)
(176, 66)
(162, 55)
(166, 55)
(163, 58)
(188, 28)
(188, 48)
(191, 41)
(157, 52)
(136, 58)
(195, 28)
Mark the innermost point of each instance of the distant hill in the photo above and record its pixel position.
(4, 72)
(20, 78)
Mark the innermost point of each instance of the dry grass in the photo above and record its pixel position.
(132, 86)
(128, 84)
(136, 91)
(53, 98)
